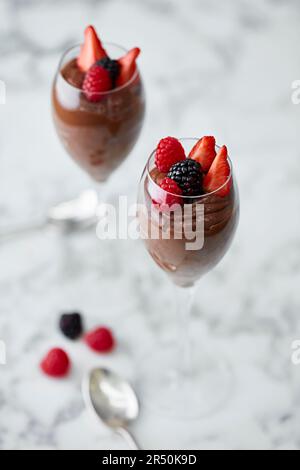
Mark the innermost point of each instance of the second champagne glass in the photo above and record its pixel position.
(186, 242)
(98, 130)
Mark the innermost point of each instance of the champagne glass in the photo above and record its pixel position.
(98, 135)
(186, 242)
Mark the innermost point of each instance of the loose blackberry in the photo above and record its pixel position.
(188, 175)
(71, 325)
(112, 66)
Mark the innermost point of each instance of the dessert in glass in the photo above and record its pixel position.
(188, 212)
(98, 104)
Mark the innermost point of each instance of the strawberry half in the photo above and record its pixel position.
(218, 175)
(127, 66)
(204, 152)
(91, 50)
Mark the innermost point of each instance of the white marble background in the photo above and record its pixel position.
(222, 68)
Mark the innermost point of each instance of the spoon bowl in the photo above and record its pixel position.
(113, 400)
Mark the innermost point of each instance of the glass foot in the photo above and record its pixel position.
(200, 392)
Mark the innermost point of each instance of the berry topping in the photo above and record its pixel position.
(91, 50)
(127, 66)
(188, 176)
(97, 81)
(204, 152)
(170, 194)
(56, 363)
(112, 66)
(157, 176)
(168, 152)
(71, 325)
(218, 175)
(100, 340)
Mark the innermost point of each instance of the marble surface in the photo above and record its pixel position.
(210, 67)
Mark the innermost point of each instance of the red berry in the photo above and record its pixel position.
(127, 66)
(218, 175)
(97, 81)
(204, 152)
(56, 363)
(100, 340)
(169, 195)
(91, 50)
(169, 151)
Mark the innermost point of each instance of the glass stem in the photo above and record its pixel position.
(185, 297)
(101, 190)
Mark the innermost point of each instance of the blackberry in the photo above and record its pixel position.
(188, 175)
(71, 325)
(112, 66)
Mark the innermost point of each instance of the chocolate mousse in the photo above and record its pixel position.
(212, 218)
(98, 116)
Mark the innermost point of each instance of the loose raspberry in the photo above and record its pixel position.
(169, 195)
(169, 151)
(97, 81)
(56, 363)
(100, 340)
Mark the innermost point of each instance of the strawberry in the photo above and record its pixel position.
(91, 50)
(127, 66)
(218, 175)
(204, 152)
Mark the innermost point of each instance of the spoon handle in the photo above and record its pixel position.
(128, 437)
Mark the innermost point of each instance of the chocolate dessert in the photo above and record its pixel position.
(98, 106)
(212, 217)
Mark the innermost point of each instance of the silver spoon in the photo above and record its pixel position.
(77, 214)
(113, 400)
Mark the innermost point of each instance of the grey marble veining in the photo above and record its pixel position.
(210, 67)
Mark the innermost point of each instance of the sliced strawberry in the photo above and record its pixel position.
(204, 152)
(91, 50)
(127, 66)
(218, 175)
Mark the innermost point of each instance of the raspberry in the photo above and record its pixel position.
(71, 325)
(100, 339)
(112, 66)
(169, 151)
(170, 193)
(56, 363)
(188, 176)
(97, 81)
